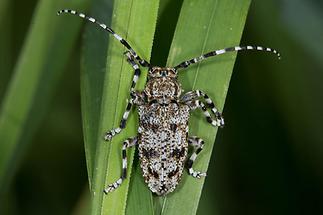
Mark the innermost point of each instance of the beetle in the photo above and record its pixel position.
(164, 113)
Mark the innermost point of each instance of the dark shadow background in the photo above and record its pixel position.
(267, 160)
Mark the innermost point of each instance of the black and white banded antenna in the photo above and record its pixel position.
(141, 61)
(187, 63)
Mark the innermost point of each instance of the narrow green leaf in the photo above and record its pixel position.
(135, 21)
(203, 26)
(140, 200)
(93, 64)
(46, 50)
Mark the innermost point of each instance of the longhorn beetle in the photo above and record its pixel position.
(163, 118)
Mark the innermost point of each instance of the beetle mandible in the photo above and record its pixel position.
(164, 112)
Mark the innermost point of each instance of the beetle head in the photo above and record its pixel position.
(162, 85)
(160, 72)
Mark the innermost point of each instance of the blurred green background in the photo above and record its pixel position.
(268, 158)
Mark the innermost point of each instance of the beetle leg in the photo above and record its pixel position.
(136, 99)
(198, 144)
(108, 136)
(126, 144)
(219, 121)
(135, 66)
(193, 99)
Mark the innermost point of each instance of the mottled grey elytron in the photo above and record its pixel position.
(164, 112)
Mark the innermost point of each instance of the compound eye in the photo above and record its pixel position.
(154, 72)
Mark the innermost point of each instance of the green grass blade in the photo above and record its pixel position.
(210, 25)
(134, 20)
(45, 52)
(93, 63)
(140, 199)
